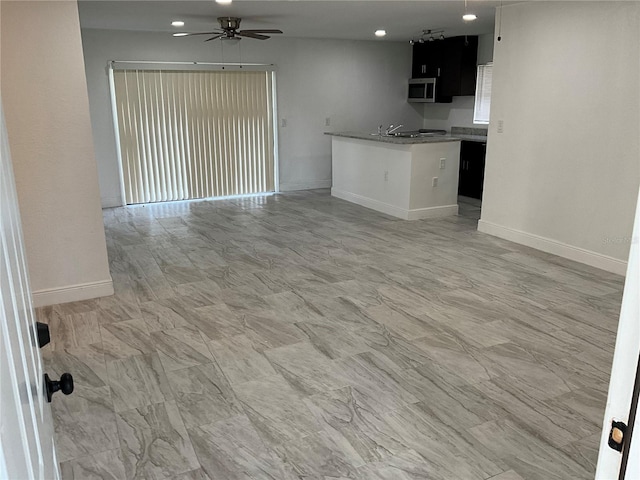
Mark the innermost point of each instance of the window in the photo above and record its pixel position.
(483, 94)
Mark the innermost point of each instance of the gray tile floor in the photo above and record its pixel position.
(300, 336)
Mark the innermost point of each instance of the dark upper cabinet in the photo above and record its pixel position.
(427, 59)
(471, 175)
(451, 61)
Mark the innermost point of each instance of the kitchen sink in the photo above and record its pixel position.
(423, 132)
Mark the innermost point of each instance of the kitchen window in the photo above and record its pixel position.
(483, 94)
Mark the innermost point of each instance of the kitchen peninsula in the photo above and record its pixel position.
(406, 177)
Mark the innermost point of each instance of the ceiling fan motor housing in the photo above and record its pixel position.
(229, 23)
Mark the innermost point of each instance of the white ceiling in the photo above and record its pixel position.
(338, 19)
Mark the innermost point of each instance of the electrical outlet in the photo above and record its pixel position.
(500, 126)
(442, 163)
(386, 175)
(434, 182)
(283, 123)
(327, 122)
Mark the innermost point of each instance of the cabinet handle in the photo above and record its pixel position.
(438, 71)
(424, 69)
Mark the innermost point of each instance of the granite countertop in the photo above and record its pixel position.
(396, 140)
(470, 134)
(472, 138)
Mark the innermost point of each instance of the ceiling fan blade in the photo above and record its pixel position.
(261, 31)
(202, 33)
(217, 35)
(257, 36)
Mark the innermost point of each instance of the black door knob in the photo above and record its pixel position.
(65, 385)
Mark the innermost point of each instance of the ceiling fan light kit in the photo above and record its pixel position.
(229, 31)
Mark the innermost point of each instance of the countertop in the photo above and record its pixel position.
(397, 140)
(472, 138)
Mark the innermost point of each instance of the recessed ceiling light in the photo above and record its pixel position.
(469, 17)
(181, 34)
(381, 33)
(224, 2)
(177, 23)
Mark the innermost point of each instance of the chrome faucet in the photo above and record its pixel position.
(392, 129)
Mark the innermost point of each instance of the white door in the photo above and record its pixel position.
(623, 371)
(26, 427)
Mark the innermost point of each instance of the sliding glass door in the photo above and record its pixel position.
(194, 134)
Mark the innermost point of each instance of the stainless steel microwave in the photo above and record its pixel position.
(422, 90)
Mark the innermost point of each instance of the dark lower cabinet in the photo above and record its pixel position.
(471, 178)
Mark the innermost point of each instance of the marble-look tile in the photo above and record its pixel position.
(276, 410)
(525, 453)
(351, 423)
(232, 449)
(442, 446)
(137, 381)
(267, 332)
(317, 456)
(203, 394)
(408, 326)
(125, 339)
(158, 316)
(331, 339)
(387, 342)
(181, 347)
(239, 360)
(405, 465)
(86, 363)
(154, 442)
(397, 339)
(105, 465)
(84, 423)
(73, 330)
(216, 321)
(377, 379)
(306, 369)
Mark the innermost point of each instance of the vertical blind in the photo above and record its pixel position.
(482, 106)
(194, 134)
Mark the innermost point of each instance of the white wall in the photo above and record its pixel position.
(47, 115)
(358, 84)
(458, 113)
(564, 175)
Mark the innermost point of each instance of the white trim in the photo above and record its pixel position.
(72, 293)
(414, 214)
(309, 185)
(555, 247)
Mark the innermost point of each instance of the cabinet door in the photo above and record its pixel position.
(427, 59)
(471, 177)
(458, 72)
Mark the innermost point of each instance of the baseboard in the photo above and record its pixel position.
(555, 247)
(72, 293)
(414, 214)
(433, 212)
(310, 185)
(109, 202)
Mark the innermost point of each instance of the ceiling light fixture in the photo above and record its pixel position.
(177, 23)
(181, 34)
(224, 2)
(381, 33)
(468, 17)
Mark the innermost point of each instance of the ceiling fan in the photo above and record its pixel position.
(229, 30)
